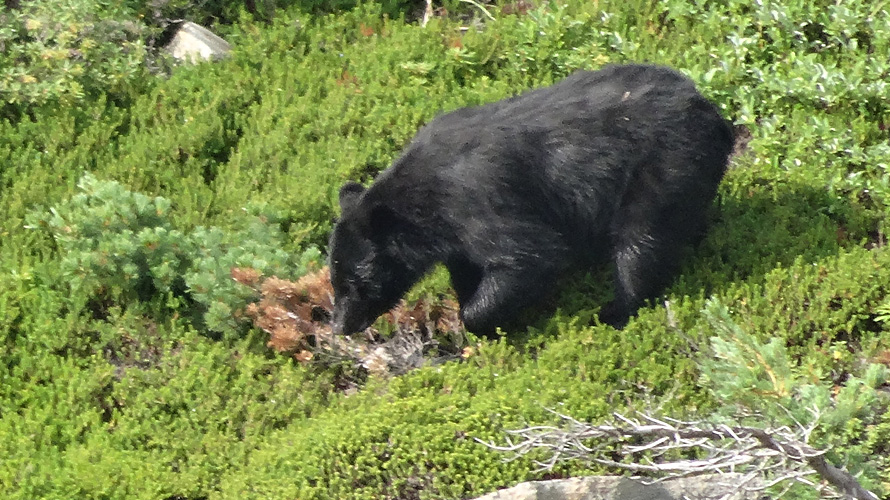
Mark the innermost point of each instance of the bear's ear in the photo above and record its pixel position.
(349, 195)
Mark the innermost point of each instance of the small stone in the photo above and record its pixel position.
(193, 43)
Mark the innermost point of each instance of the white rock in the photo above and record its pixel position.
(193, 42)
(706, 487)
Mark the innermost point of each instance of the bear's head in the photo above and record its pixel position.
(369, 272)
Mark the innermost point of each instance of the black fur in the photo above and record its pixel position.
(620, 163)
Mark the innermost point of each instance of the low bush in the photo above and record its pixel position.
(120, 251)
(66, 54)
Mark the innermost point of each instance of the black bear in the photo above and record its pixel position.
(620, 164)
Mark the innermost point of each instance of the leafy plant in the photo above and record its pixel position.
(120, 247)
(62, 53)
(883, 312)
(758, 383)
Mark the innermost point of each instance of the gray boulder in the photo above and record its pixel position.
(705, 487)
(193, 42)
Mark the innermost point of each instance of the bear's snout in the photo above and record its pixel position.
(346, 320)
(338, 322)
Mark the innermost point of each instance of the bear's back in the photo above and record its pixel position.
(585, 95)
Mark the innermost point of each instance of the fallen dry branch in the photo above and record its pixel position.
(767, 456)
(427, 13)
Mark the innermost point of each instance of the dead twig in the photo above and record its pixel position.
(774, 455)
(427, 13)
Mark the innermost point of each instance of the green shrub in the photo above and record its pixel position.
(161, 12)
(760, 384)
(119, 250)
(65, 53)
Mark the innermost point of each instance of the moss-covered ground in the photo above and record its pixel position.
(125, 374)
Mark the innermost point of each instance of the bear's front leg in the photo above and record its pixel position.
(501, 294)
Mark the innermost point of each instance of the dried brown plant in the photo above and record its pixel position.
(296, 315)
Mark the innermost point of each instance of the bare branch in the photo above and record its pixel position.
(427, 13)
(480, 7)
(768, 456)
